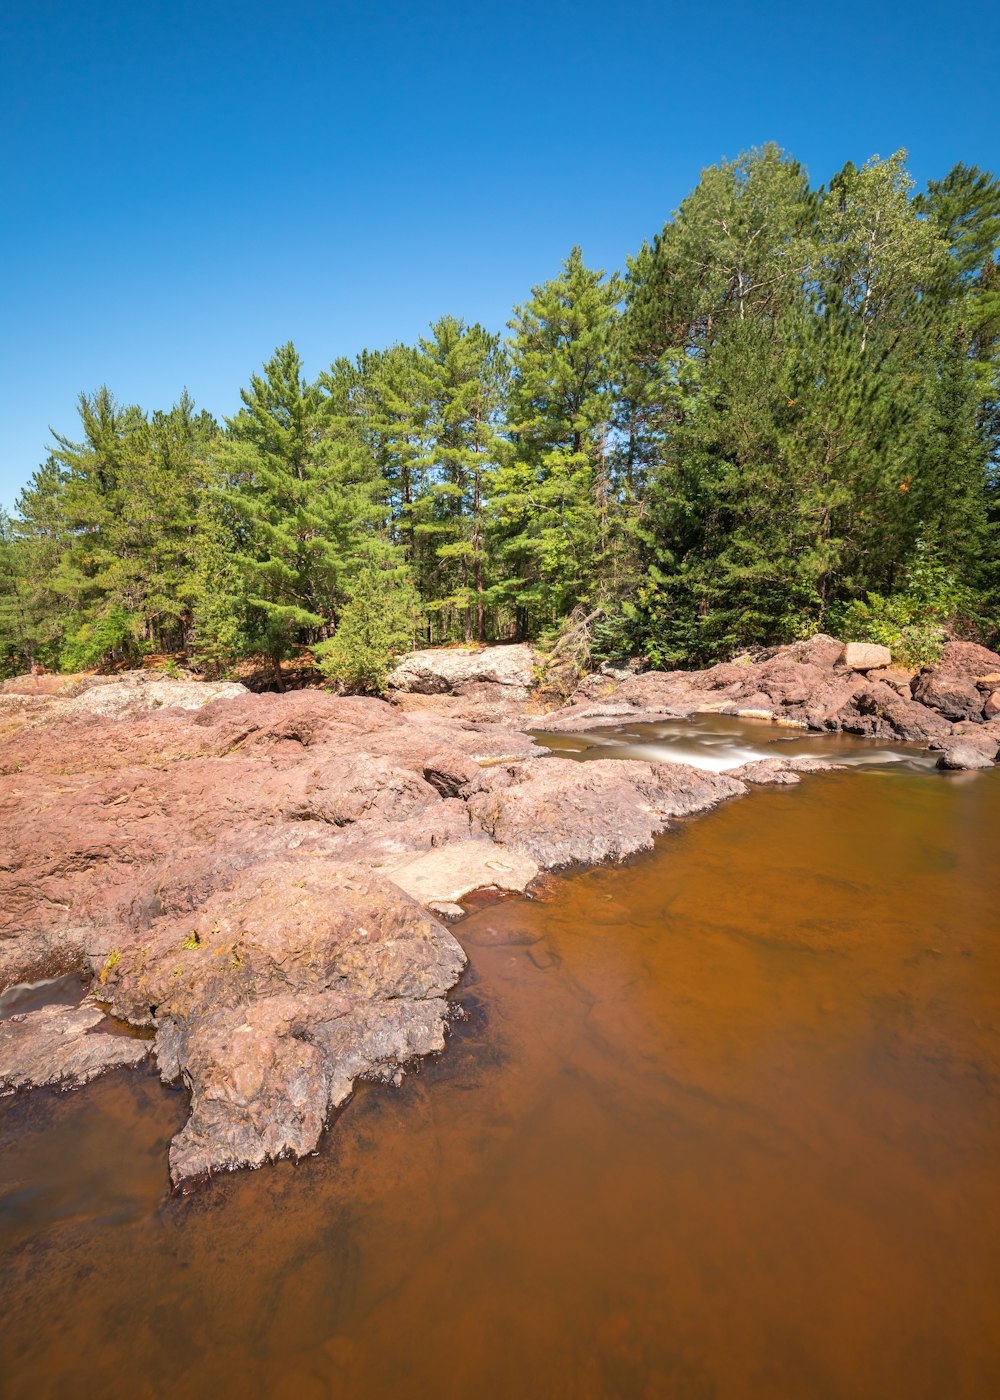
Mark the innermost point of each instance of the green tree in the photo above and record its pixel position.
(376, 625)
(302, 497)
(552, 503)
(461, 378)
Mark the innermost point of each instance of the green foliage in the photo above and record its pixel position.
(912, 623)
(553, 493)
(376, 626)
(111, 962)
(98, 640)
(743, 439)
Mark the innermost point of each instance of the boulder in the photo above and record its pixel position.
(457, 670)
(953, 684)
(967, 753)
(865, 656)
(901, 681)
(953, 695)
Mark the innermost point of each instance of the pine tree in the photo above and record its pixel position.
(552, 504)
(461, 375)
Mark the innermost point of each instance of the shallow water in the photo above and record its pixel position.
(51, 991)
(722, 1122)
(716, 743)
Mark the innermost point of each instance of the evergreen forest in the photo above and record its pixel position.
(782, 416)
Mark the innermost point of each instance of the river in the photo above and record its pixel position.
(723, 1121)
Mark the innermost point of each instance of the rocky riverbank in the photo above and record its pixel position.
(952, 707)
(264, 881)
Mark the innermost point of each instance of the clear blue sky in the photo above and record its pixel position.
(187, 185)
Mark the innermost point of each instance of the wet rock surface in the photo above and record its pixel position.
(62, 1045)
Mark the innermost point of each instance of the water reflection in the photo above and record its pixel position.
(51, 991)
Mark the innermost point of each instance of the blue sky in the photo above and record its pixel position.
(188, 185)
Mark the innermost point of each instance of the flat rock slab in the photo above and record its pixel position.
(560, 812)
(446, 875)
(61, 1045)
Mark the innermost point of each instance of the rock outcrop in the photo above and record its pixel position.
(251, 875)
(62, 1045)
(114, 821)
(251, 879)
(276, 995)
(558, 812)
(807, 684)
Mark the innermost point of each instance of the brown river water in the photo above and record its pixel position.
(723, 1121)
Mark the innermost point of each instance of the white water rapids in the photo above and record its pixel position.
(719, 743)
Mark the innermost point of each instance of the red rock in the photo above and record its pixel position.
(950, 686)
(62, 1045)
(273, 997)
(559, 812)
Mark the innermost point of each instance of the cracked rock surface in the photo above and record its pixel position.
(61, 1045)
(276, 995)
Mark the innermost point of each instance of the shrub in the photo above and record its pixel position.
(375, 627)
(92, 642)
(913, 623)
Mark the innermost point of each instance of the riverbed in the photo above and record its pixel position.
(723, 1121)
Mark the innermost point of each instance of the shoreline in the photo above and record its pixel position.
(262, 880)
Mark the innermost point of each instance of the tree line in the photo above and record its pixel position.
(783, 415)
